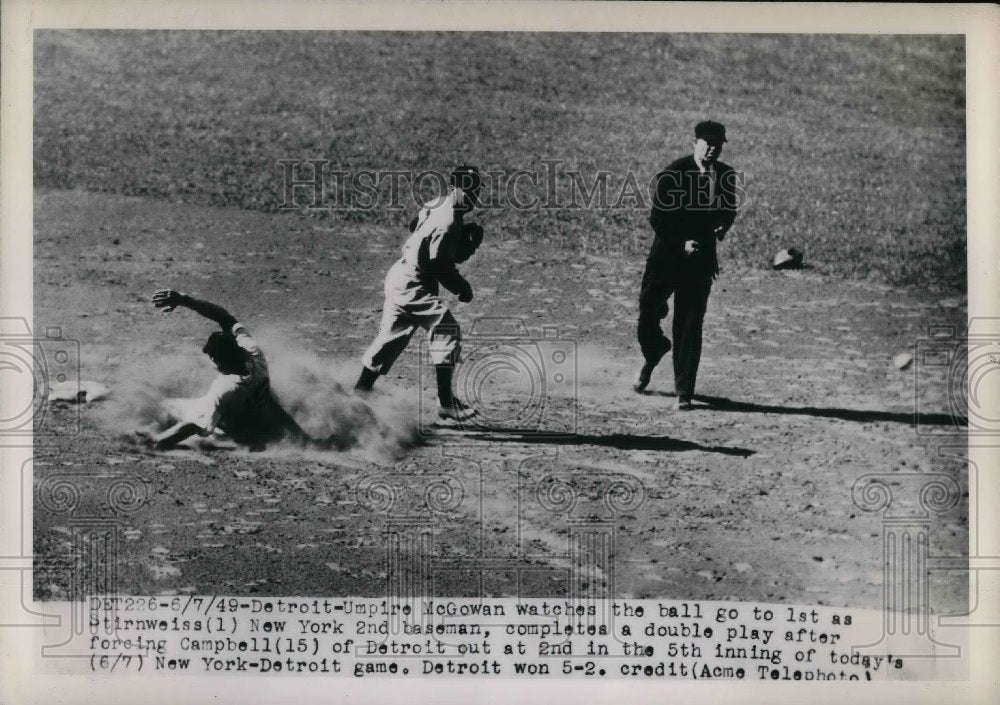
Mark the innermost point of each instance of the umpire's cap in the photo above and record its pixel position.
(468, 179)
(709, 129)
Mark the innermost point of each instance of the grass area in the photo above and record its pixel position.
(853, 146)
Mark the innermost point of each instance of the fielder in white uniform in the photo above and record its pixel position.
(439, 240)
(239, 402)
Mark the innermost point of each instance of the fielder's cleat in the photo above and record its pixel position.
(366, 381)
(458, 411)
(684, 404)
(642, 381)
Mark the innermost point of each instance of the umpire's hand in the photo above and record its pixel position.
(691, 247)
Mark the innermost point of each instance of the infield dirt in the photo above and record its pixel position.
(748, 497)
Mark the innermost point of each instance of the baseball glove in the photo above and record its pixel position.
(469, 242)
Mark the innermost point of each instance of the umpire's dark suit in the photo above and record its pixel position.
(682, 211)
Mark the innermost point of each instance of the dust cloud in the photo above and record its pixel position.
(316, 391)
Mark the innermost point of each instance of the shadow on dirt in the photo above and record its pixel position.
(860, 415)
(621, 441)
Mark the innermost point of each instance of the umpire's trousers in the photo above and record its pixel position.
(690, 302)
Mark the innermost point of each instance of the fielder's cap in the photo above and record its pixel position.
(468, 179)
(709, 129)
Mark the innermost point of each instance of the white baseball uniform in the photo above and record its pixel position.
(233, 403)
(412, 286)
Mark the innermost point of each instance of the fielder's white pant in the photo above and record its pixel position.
(410, 305)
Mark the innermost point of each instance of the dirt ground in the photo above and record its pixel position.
(586, 487)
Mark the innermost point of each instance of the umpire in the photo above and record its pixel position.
(694, 206)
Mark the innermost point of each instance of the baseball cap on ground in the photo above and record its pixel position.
(709, 129)
(788, 259)
(468, 179)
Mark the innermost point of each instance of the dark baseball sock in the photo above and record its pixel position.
(366, 381)
(444, 376)
(291, 430)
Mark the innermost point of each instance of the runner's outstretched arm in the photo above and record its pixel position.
(168, 300)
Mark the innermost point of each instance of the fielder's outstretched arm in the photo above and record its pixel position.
(168, 300)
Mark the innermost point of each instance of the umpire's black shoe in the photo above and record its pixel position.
(642, 381)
